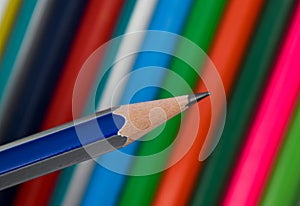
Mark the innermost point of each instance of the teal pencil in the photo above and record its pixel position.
(14, 43)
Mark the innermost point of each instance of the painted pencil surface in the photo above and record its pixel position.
(267, 130)
(167, 17)
(243, 101)
(94, 29)
(85, 138)
(229, 46)
(199, 27)
(283, 184)
(73, 181)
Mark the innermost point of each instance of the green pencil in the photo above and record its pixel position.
(200, 29)
(242, 103)
(284, 184)
(66, 176)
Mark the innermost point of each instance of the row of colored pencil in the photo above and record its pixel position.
(60, 60)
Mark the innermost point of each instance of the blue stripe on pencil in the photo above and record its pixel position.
(57, 142)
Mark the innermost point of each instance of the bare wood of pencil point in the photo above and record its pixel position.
(144, 117)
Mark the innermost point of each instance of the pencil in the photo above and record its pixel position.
(10, 117)
(23, 51)
(142, 19)
(284, 183)
(56, 33)
(14, 43)
(267, 129)
(83, 139)
(200, 27)
(9, 17)
(167, 17)
(255, 68)
(73, 180)
(14, 86)
(130, 20)
(94, 30)
(58, 30)
(228, 49)
(3, 5)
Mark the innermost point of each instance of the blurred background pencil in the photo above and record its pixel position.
(98, 20)
(57, 35)
(228, 48)
(266, 132)
(20, 30)
(147, 71)
(256, 66)
(18, 72)
(74, 180)
(199, 28)
(10, 13)
(3, 7)
(283, 185)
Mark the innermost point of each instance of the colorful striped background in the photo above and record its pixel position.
(254, 45)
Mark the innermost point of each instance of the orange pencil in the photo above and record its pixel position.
(226, 53)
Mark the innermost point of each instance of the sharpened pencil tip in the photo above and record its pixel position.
(193, 98)
(200, 96)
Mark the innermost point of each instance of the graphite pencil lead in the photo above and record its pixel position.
(194, 98)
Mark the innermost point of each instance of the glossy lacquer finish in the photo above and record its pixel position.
(57, 141)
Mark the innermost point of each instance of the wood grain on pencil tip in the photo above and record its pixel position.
(153, 114)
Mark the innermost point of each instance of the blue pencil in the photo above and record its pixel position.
(169, 16)
(84, 138)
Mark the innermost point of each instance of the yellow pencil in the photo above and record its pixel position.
(9, 17)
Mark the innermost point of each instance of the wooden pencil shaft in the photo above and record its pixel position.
(65, 145)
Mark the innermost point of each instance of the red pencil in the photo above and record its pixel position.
(95, 29)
